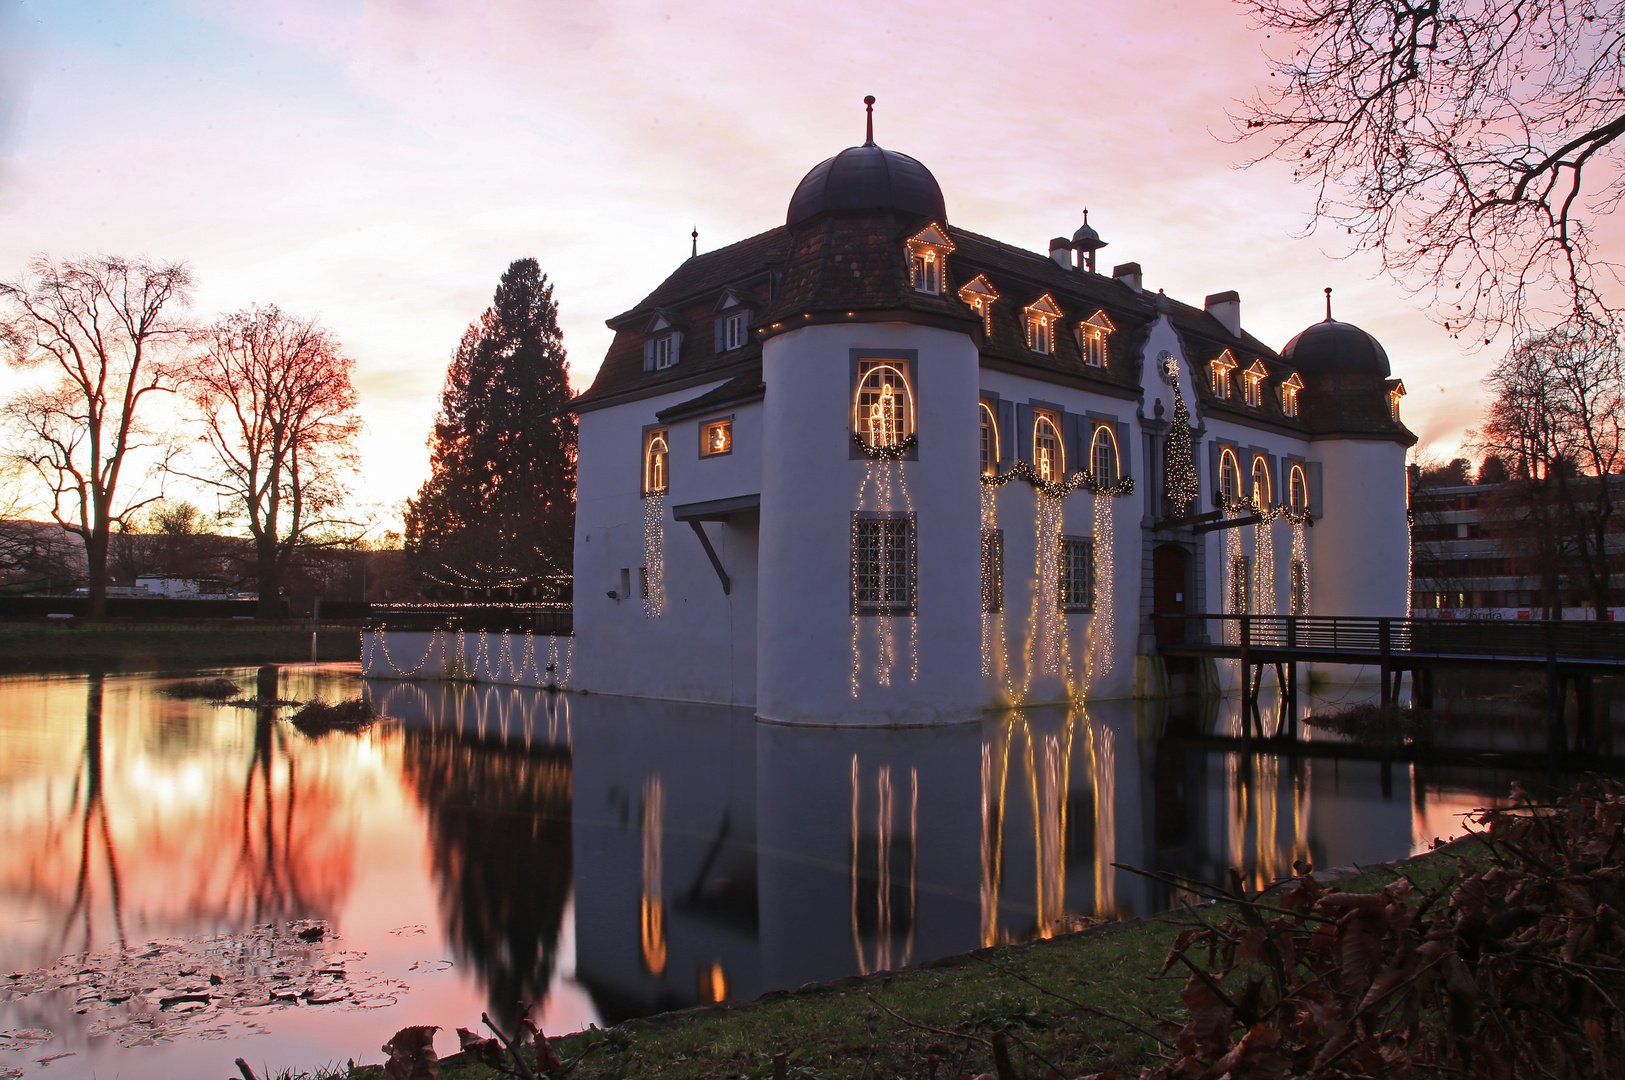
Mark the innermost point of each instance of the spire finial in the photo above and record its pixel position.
(1086, 215)
(1328, 303)
(695, 236)
(869, 124)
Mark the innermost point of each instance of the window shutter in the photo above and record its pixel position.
(1076, 430)
(1214, 451)
(1125, 449)
(676, 346)
(717, 343)
(1316, 507)
(1024, 432)
(649, 355)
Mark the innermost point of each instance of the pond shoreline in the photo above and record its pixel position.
(79, 645)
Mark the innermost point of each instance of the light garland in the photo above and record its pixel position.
(1052, 625)
(1264, 565)
(1180, 488)
(1061, 488)
(884, 481)
(1102, 641)
(990, 567)
(1300, 559)
(457, 665)
(1240, 505)
(654, 554)
(1235, 588)
(891, 451)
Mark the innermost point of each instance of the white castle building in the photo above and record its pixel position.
(868, 467)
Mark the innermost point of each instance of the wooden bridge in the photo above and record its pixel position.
(1567, 651)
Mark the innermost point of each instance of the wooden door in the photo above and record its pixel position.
(1168, 589)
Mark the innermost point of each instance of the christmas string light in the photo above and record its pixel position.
(1180, 489)
(1235, 587)
(1059, 489)
(884, 484)
(893, 451)
(1300, 559)
(990, 586)
(1264, 569)
(654, 554)
(1240, 505)
(1102, 644)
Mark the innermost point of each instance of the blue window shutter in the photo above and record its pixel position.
(1125, 449)
(717, 338)
(1076, 430)
(1024, 432)
(1214, 450)
(1316, 506)
(649, 355)
(1007, 433)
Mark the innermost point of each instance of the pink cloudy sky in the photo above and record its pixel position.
(379, 164)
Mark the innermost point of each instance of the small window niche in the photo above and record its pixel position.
(717, 437)
(928, 250)
(1092, 335)
(883, 406)
(1289, 394)
(1041, 317)
(656, 462)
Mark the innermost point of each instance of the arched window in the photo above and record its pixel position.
(883, 409)
(1229, 475)
(1103, 456)
(655, 454)
(1261, 482)
(1298, 489)
(990, 441)
(1049, 455)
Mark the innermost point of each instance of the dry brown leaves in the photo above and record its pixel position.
(1515, 968)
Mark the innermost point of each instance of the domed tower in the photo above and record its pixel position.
(1361, 544)
(869, 585)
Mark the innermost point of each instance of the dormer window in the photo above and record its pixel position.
(733, 312)
(733, 331)
(1041, 316)
(927, 250)
(980, 294)
(1289, 394)
(1253, 384)
(664, 343)
(1219, 370)
(1092, 334)
(1395, 392)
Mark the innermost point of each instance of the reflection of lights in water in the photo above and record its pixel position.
(1103, 779)
(1049, 768)
(884, 873)
(1262, 846)
(653, 907)
(995, 771)
(713, 982)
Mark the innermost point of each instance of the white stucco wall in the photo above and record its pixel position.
(702, 646)
(1362, 547)
(810, 488)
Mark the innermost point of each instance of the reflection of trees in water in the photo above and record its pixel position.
(89, 809)
(499, 826)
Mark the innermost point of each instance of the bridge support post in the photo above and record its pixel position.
(1385, 650)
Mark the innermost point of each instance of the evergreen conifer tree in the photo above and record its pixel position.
(498, 509)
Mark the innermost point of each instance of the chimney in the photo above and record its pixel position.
(1128, 274)
(1226, 307)
(1060, 249)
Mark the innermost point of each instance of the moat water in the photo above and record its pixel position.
(184, 883)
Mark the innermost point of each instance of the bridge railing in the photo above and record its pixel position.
(1571, 639)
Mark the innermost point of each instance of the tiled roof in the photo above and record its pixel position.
(740, 388)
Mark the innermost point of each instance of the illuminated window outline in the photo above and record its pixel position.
(873, 383)
(979, 293)
(1219, 371)
(1298, 488)
(1041, 316)
(1253, 378)
(1076, 588)
(1261, 479)
(1049, 466)
(1092, 335)
(1103, 449)
(1395, 392)
(989, 432)
(928, 252)
(656, 461)
(1229, 473)
(1289, 394)
(708, 445)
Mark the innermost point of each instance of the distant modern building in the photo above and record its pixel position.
(1473, 557)
(872, 467)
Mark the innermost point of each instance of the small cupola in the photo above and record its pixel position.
(1086, 242)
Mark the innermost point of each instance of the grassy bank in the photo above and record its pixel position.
(1073, 1002)
(76, 644)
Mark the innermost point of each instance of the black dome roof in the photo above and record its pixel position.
(1332, 345)
(867, 178)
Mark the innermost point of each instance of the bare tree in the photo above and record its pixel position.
(275, 397)
(1557, 417)
(103, 330)
(1469, 143)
